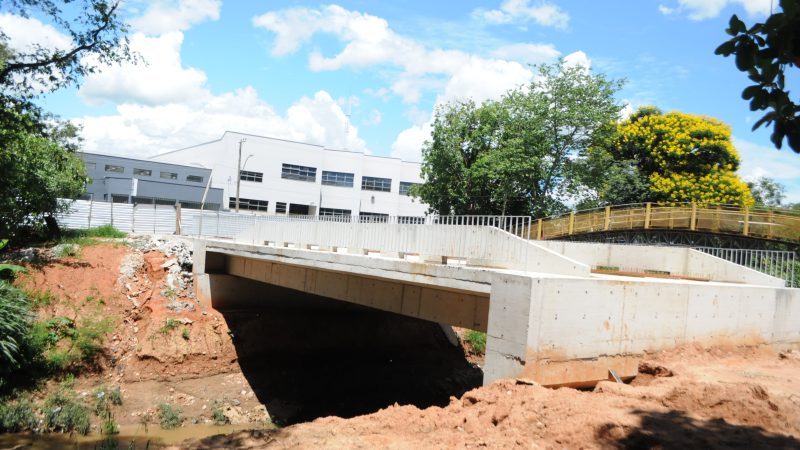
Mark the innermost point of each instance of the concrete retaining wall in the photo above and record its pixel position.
(675, 260)
(577, 329)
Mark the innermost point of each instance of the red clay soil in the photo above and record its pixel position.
(735, 398)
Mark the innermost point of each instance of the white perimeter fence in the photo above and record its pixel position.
(168, 219)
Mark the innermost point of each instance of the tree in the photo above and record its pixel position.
(765, 51)
(98, 36)
(516, 155)
(38, 164)
(684, 158)
(767, 192)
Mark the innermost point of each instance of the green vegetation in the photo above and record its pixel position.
(517, 155)
(16, 416)
(169, 325)
(764, 52)
(63, 412)
(169, 416)
(476, 341)
(217, 415)
(67, 345)
(608, 268)
(19, 352)
(185, 334)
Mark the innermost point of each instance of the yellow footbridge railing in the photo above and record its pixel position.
(773, 224)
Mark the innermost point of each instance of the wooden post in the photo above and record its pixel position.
(693, 218)
(539, 230)
(746, 229)
(771, 220)
(647, 208)
(571, 222)
(608, 218)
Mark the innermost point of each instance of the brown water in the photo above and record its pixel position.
(154, 436)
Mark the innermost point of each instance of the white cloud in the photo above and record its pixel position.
(369, 41)
(142, 131)
(165, 16)
(666, 10)
(578, 58)
(24, 34)
(408, 144)
(160, 80)
(707, 9)
(760, 160)
(527, 53)
(543, 12)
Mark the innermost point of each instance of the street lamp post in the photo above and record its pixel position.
(239, 172)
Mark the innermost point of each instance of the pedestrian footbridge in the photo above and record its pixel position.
(559, 313)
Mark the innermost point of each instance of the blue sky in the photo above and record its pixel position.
(367, 75)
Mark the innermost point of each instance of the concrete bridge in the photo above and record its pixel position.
(550, 312)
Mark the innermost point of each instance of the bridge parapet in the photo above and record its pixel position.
(457, 242)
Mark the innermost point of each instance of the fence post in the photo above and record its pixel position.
(608, 218)
(746, 228)
(693, 218)
(771, 220)
(571, 222)
(178, 219)
(91, 204)
(112, 211)
(647, 208)
(539, 230)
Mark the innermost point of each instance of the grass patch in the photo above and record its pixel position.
(69, 345)
(217, 415)
(185, 334)
(169, 416)
(169, 325)
(476, 341)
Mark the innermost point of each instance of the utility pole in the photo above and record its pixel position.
(239, 172)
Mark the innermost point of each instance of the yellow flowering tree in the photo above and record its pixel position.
(685, 157)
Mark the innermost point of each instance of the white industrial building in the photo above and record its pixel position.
(278, 176)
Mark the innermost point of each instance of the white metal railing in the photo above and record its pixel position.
(777, 263)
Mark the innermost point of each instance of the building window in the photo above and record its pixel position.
(337, 179)
(300, 173)
(194, 178)
(90, 167)
(280, 208)
(376, 184)
(143, 172)
(115, 169)
(334, 212)
(249, 204)
(257, 177)
(405, 187)
(169, 175)
(119, 198)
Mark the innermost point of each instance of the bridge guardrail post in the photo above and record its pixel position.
(746, 226)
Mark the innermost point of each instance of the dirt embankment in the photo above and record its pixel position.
(688, 398)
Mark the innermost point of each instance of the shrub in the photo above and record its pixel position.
(63, 412)
(169, 325)
(15, 317)
(169, 416)
(185, 333)
(476, 341)
(217, 415)
(17, 416)
(115, 396)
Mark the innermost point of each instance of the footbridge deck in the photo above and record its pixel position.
(547, 315)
